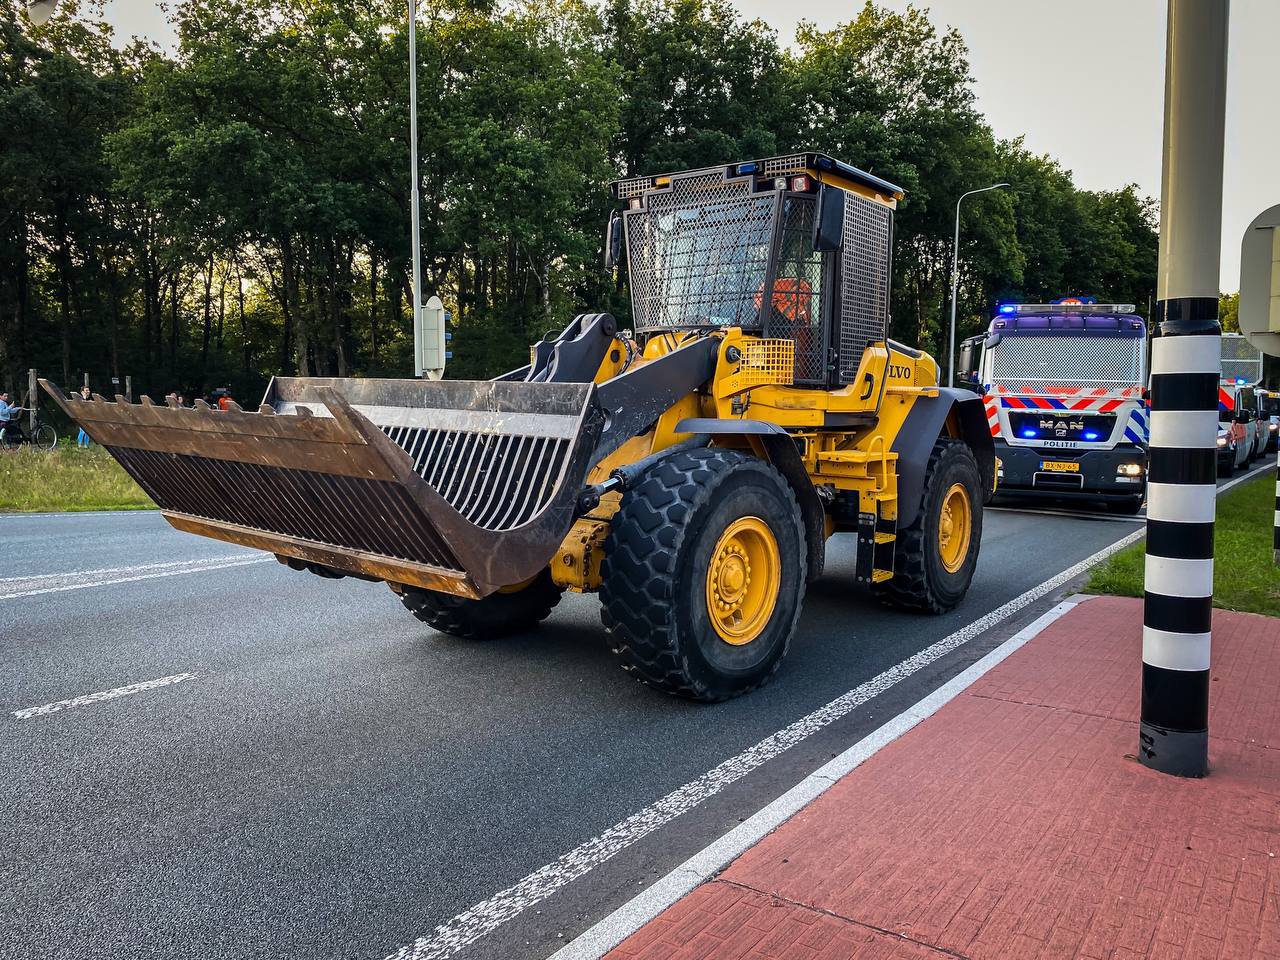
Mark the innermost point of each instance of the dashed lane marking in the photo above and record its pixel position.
(99, 697)
(12, 589)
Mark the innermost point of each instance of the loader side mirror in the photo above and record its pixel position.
(613, 241)
(828, 225)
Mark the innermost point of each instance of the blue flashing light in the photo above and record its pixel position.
(748, 167)
(1090, 435)
(1029, 433)
(1008, 307)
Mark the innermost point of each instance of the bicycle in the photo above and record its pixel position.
(43, 437)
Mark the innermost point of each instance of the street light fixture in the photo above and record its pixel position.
(39, 11)
(955, 278)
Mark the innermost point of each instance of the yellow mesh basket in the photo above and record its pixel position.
(767, 362)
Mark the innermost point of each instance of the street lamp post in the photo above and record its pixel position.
(413, 173)
(955, 278)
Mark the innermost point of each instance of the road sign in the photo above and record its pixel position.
(1260, 282)
(429, 335)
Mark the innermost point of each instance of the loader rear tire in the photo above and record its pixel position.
(494, 616)
(931, 572)
(704, 574)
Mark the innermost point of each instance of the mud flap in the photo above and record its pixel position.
(457, 486)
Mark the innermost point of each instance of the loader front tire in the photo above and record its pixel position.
(497, 615)
(704, 574)
(934, 558)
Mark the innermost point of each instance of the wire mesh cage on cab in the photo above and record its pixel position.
(703, 251)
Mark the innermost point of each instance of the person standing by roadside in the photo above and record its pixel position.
(82, 438)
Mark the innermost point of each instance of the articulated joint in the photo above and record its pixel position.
(625, 476)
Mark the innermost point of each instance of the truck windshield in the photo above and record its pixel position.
(1099, 361)
(697, 254)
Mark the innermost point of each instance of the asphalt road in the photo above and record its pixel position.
(337, 780)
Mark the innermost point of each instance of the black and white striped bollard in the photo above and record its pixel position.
(1185, 365)
(1186, 362)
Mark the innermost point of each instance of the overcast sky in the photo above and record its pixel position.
(1082, 80)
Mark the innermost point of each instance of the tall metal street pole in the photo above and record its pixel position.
(1186, 363)
(413, 189)
(955, 279)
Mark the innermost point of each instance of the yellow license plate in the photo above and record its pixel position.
(1060, 466)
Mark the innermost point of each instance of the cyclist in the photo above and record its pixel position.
(10, 420)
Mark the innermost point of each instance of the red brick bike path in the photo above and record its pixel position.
(1015, 823)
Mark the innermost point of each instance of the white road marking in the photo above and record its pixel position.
(487, 915)
(12, 589)
(88, 698)
(710, 860)
(1247, 476)
(144, 511)
(35, 578)
(702, 866)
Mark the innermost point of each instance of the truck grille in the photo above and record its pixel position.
(1090, 428)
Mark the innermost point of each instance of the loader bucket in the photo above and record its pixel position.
(457, 486)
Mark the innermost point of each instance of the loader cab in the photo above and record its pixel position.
(794, 248)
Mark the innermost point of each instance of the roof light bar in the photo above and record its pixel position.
(1060, 308)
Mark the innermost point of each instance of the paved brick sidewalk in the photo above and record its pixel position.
(1015, 823)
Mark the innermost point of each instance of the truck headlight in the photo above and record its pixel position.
(1129, 469)
(1222, 441)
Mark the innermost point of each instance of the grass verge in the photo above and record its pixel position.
(67, 478)
(1245, 578)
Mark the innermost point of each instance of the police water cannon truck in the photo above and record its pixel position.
(1063, 388)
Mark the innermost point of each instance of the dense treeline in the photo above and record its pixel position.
(241, 208)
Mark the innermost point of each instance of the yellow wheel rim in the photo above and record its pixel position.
(955, 527)
(743, 580)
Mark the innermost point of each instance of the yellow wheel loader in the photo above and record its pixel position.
(690, 471)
